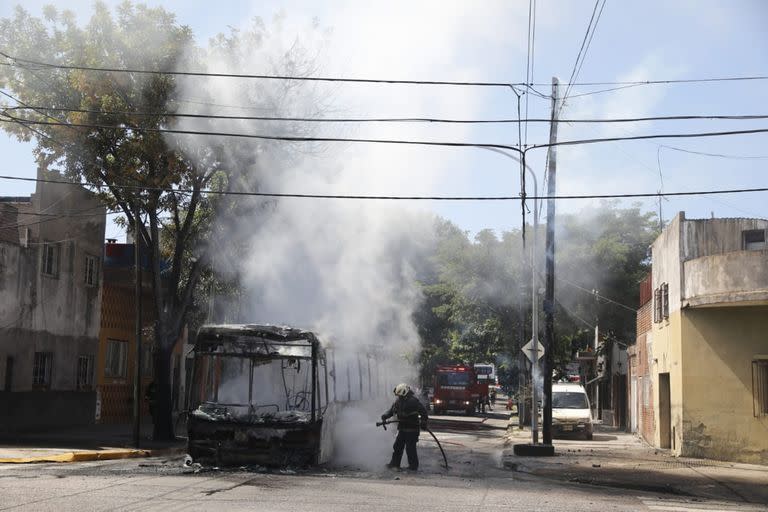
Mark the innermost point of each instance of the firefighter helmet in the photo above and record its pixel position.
(402, 389)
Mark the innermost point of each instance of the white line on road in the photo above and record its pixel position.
(683, 505)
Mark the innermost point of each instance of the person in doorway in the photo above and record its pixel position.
(412, 417)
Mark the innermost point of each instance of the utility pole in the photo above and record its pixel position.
(137, 300)
(549, 296)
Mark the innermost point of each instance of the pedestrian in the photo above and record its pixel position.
(412, 417)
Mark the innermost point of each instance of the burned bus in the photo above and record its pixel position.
(259, 395)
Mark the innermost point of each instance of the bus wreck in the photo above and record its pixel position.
(259, 395)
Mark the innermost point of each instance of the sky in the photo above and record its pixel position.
(487, 41)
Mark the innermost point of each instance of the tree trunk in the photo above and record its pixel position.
(163, 418)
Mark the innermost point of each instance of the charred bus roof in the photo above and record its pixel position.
(253, 340)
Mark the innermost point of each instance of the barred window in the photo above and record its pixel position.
(51, 260)
(85, 373)
(42, 369)
(760, 386)
(91, 270)
(116, 364)
(665, 300)
(657, 305)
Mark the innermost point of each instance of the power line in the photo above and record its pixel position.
(22, 61)
(717, 155)
(589, 42)
(579, 55)
(284, 138)
(653, 136)
(18, 60)
(737, 117)
(595, 294)
(530, 60)
(385, 197)
(388, 141)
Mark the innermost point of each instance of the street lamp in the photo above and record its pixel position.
(534, 315)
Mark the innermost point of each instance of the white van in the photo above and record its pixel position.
(571, 413)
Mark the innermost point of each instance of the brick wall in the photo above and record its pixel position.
(640, 370)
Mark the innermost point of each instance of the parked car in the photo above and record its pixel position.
(571, 414)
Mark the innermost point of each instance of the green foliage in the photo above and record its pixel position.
(137, 171)
(480, 288)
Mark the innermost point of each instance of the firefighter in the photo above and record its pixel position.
(412, 417)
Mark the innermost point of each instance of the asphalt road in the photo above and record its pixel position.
(475, 481)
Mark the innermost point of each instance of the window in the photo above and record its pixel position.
(657, 305)
(453, 379)
(84, 373)
(42, 369)
(665, 300)
(565, 400)
(51, 260)
(91, 270)
(147, 360)
(760, 386)
(753, 239)
(116, 363)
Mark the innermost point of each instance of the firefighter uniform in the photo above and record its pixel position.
(412, 416)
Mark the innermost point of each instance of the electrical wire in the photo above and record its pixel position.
(681, 117)
(589, 42)
(717, 155)
(284, 138)
(389, 141)
(21, 62)
(17, 61)
(398, 198)
(529, 67)
(579, 55)
(595, 294)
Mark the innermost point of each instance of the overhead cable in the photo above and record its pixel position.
(286, 138)
(391, 197)
(681, 117)
(19, 61)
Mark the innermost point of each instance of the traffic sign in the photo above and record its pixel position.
(528, 351)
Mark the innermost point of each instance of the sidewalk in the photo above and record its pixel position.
(93, 442)
(617, 459)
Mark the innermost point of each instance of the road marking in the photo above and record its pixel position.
(698, 505)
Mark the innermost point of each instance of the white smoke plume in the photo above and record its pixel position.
(345, 269)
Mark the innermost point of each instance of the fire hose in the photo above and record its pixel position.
(445, 459)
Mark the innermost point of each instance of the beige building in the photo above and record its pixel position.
(707, 349)
(50, 305)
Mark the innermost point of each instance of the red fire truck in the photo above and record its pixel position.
(455, 389)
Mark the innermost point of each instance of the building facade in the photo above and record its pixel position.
(641, 411)
(50, 305)
(708, 350)
(116, 359)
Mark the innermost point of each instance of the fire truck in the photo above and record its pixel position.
(455, 389)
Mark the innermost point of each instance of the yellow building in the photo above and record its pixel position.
(709, 339)
(116, 359)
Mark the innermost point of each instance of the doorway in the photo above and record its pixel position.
(665, 412)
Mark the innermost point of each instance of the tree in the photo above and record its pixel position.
(470, 311)
(136, 170)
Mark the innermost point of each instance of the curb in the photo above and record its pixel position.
(94, 455)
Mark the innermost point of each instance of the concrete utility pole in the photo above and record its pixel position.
(549, 297)
(534, 315)
(137, 365)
